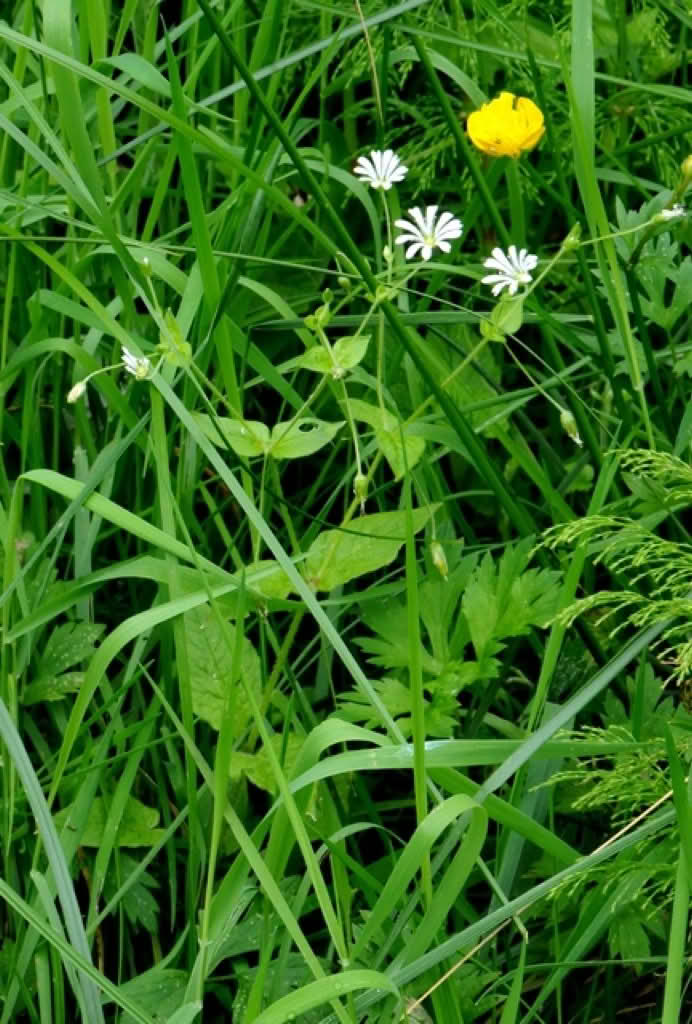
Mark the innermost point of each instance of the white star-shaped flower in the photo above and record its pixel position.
(138, 366)
(514, 268)
(380, 170)
(426, 233)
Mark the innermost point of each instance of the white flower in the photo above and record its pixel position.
(138, 366)
(672, 214)
(425, 233)
(514, 269)
(380, 170)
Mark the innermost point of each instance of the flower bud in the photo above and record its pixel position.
(686, 168)
(76, 392)
(360, 489)
(439, 559)
(344, 283)
(572, 239)
(569, 425)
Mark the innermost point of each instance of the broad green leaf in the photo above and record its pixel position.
(211, 663)
(367, 544)
(137, 827)
(400, 448)
(245, 437)
(296, 438)
(348, 352)
(317, 359)
(257, 767)
(159, 992)
(273, 582)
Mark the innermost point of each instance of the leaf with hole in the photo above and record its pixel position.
(297, 438)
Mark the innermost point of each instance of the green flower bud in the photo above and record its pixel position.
(439, 559)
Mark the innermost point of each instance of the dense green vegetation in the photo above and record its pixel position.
(345, 606)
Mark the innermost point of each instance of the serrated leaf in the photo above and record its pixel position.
(503, 599)
(245, 437)
(69, 644)
(367, 544)
(297, 438)
(628, 939)
(137, 825)
(211, 663)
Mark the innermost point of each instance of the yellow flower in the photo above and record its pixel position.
(507, 126)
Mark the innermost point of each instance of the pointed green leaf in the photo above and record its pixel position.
(368, 543)
(245, 437)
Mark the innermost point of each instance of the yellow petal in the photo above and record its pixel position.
(507, 126)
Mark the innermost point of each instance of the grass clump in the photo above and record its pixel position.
(343, 505)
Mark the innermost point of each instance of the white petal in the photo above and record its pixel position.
(413, 249)
(419, 220)
(492, 278)
(498, 261)
(426, 252)
(498, 287)
(410, 236)
(513, 257)
(445, 246)
(430, 214)
(452, 230)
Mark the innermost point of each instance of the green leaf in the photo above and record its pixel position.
(137, 827)
(367, 544)
(505, 599)
(316, 359)
(628, 939)
(274, 582)
(297, 438)
(348, 352)
(257, 767)
(69, 644)
(401, 448)
(140, 70)
(211, 664)
(245, 437)
(160, 992)
(52, 688)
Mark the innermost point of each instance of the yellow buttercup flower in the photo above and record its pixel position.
(507, 126)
